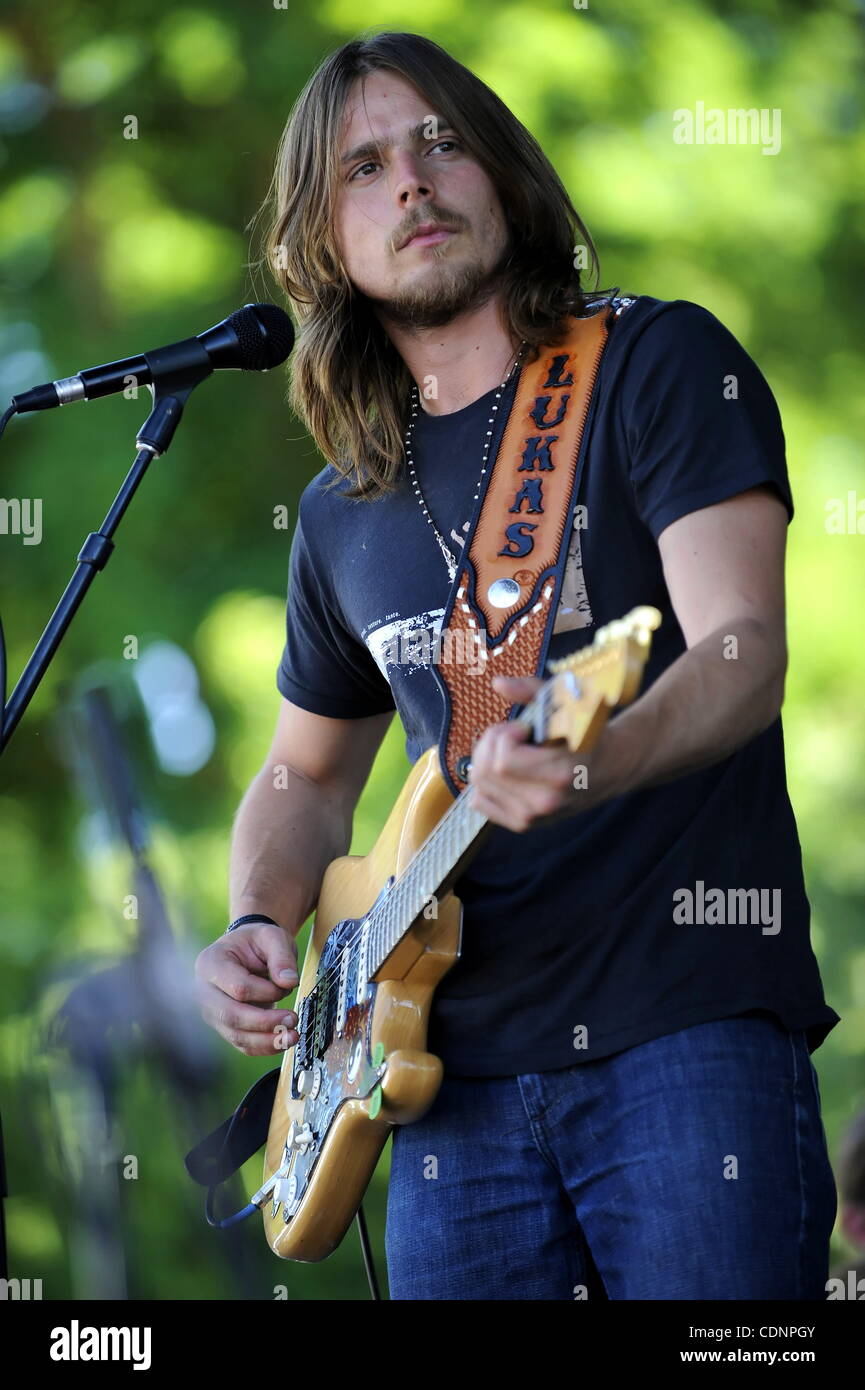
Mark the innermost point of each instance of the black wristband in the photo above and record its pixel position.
(251, 917)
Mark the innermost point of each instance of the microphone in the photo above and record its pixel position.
(252, 339)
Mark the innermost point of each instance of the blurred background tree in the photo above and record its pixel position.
(135, 148)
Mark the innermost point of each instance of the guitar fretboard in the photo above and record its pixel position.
(434, 866)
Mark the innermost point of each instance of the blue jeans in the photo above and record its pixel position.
(693, 1166)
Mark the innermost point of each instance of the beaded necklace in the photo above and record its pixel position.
(446, 552)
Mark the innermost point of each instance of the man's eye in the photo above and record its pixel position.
(372, 163)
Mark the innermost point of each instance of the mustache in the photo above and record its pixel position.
(430, 214)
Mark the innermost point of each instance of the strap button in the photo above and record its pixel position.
(503, 593)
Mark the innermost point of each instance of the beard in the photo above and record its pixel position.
(444, 294)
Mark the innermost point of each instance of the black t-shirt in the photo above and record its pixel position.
(573, 941)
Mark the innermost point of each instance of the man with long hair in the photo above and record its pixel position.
(629, 1108)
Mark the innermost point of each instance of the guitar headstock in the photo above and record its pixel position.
(584, 688)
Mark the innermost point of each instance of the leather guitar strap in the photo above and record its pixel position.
(502, 606)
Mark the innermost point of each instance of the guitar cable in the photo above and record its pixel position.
(223, 1224)
(366, 1252)
(365, 1248)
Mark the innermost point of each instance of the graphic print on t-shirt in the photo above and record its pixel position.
(574, 609)
(405, 642)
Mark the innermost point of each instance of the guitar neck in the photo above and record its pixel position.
(441, 859)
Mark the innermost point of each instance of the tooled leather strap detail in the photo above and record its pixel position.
(518, 546)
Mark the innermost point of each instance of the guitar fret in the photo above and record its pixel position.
(375, 939)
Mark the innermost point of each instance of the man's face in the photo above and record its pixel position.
(404, 170)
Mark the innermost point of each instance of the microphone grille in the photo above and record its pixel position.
(265, 333)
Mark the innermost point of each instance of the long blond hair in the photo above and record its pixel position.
(348, 384)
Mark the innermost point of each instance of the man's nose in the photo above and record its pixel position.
(411, 177)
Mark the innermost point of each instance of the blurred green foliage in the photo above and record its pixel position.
(110, 245)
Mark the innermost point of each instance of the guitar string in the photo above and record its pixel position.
(376, 915)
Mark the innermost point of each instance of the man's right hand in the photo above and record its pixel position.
(239, 978)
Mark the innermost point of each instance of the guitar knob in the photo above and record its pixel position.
(289, 1198)
(304, 1138)
(304, 1082)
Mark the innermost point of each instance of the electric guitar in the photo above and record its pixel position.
(387, 928)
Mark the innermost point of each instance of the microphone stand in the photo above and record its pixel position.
(170, 388)
(174, 375)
